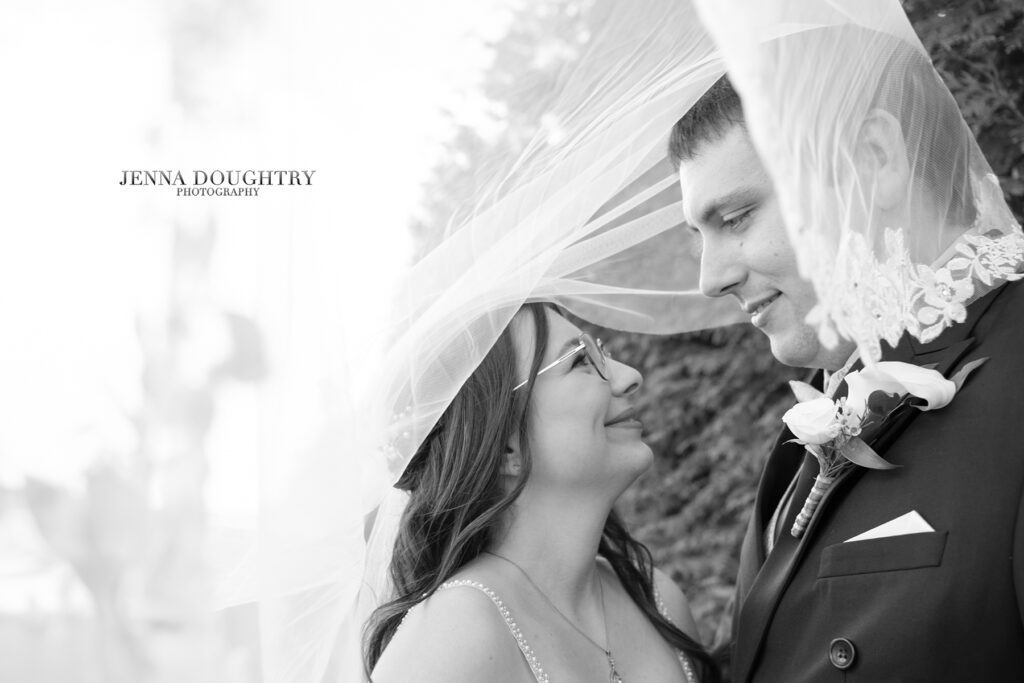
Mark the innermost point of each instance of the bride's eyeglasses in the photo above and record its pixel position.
(594, 350)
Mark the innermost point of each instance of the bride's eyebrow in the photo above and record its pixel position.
(568, 346)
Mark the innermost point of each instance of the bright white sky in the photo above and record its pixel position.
(352, 90)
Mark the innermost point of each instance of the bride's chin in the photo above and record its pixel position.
(648, 458)
(640, 458)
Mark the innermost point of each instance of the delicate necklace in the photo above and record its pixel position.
(613, 674)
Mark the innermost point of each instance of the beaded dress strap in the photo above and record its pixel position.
(691, 675)
(513, 627)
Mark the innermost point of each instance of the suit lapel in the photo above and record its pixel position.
(943, 354)
(766, 589)
(783, 461)
(774, 576)
(782, 465)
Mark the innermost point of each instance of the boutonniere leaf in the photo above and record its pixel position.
(963, 373)
(804, 391)
(859, 453)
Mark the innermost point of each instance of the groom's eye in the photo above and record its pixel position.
(737, 219)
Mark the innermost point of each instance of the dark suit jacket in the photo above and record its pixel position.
(946, 605)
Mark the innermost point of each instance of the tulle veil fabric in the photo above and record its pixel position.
(589, 216)
(892, 244)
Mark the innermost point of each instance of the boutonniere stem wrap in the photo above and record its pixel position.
(837, 432)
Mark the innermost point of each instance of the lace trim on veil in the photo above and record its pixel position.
(882, 299)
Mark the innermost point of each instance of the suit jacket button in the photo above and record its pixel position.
(841, 653)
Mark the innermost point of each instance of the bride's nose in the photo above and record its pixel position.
(623, 379)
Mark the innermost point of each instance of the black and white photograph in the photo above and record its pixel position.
(551, 341)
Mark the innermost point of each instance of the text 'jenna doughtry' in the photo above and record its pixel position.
(218, 183)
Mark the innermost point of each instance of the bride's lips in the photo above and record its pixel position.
(627, 418)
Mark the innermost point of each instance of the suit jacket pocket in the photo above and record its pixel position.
(910, 551)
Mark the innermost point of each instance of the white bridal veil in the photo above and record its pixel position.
(894, 213)
(587, 215)
(895, 216)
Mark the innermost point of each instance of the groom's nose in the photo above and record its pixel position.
(721, 270)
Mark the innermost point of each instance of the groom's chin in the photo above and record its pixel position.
(786, 356)
(799, 347)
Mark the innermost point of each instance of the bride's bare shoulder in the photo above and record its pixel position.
(676, 604)
(457, 634)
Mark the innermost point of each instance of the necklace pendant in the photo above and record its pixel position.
(613, 674)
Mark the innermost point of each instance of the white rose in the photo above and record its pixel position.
(814, 421)
(899, 378)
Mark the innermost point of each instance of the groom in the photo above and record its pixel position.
(945, 603)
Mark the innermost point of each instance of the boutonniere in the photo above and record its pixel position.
(837, 432)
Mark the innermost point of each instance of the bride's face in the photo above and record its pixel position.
(582, 431)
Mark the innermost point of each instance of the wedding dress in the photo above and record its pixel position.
(539, 674)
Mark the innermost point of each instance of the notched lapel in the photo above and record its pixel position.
(782, 465)
(783, 461)
(944, 360)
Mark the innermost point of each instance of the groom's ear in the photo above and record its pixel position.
(880, 156)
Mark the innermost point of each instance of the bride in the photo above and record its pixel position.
(510, 564)
(489, 438)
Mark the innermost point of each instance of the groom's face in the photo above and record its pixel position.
(730, 203)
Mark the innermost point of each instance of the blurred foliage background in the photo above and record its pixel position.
(712, 401)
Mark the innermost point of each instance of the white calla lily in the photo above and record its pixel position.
(898, 378)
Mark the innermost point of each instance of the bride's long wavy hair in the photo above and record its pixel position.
(456, 499)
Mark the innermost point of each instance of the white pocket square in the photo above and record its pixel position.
(910, 523)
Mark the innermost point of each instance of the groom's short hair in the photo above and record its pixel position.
(710, 118)
(930, 118)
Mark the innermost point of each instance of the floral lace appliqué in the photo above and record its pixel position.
(868, 299)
